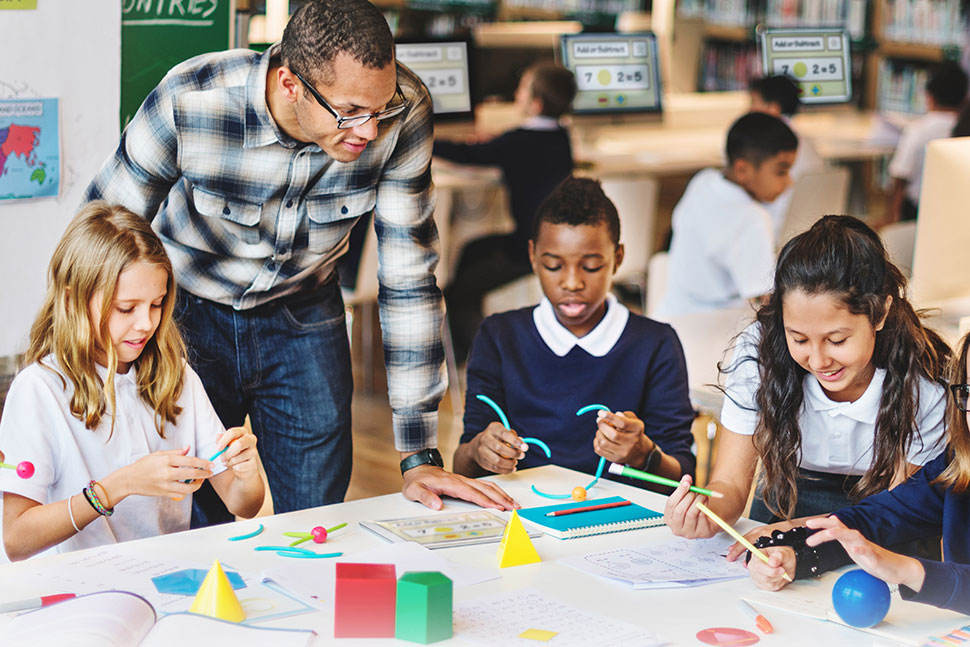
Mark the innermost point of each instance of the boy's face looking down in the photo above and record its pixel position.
(765, 181)
(575, 266)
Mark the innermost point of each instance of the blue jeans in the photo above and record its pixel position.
(287, 365)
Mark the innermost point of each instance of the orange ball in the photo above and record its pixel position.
(579, 493)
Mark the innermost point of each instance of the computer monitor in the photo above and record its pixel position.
(615, 73)
(816, 58)
(443, 66)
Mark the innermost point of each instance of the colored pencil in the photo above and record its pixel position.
(33, 603)
(759, 620)
(623, 470)
(734, 533)
(589, 508)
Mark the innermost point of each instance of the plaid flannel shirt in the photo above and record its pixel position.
(249, 215)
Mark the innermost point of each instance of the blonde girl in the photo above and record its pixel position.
(114, 420)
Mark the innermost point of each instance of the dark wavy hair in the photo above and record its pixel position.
(842, 257)
(321, 29)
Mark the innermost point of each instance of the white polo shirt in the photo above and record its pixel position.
(837, 437)
(37, 426)
(723, 248)
(907, 162)
(597, 342)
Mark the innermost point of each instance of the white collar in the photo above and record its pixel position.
(128, 376)
(540, 122)
(597, 342)
(865, 409)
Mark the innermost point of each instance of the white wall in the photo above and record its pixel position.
(70, 50)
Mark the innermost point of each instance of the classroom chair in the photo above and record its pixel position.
(815, 195)
(656, 281)
(636, 204)
(900, 241)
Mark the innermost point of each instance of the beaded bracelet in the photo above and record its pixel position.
(95, 502)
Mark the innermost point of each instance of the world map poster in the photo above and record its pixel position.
(30, 149)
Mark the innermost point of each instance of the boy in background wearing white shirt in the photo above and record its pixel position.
(723, 248)
(778, 96)
(945, 90)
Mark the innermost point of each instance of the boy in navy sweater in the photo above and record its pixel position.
(534, 158)
(579, 346)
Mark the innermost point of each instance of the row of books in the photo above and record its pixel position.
(929, 22)
(901, 87)
(781, 13)
(728, 66)
(576, 7)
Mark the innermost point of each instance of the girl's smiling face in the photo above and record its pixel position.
(831, 343)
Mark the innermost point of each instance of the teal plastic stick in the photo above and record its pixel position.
(497, 409)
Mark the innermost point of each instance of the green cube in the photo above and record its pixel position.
(424, 601)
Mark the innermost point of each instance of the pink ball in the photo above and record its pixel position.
(25, 469)
(319, 535)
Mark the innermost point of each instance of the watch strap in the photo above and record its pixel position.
(430, 456)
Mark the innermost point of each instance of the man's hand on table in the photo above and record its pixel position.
(427, 484)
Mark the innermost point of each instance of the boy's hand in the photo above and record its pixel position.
(498, 449)
(888, 566)
(620, 438)
(771, 576)
(241, 457)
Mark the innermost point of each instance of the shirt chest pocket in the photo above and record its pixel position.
(229, 217)
(330, 217)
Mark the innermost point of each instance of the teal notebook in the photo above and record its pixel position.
(595, 522)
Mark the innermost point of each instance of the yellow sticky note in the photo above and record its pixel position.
(538, 634)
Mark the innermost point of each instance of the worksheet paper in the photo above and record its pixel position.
(676, 563)
(91, 571)
(498, 620)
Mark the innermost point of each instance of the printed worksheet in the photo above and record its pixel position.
(679, 562)
(501, 619)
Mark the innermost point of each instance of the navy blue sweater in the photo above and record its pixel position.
(914, 510)
(645, 372)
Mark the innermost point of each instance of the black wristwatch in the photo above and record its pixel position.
(424, 457)
(653, 459)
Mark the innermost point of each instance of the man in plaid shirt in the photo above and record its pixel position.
(254, 168)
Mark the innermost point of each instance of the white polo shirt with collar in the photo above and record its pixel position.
(597, 342)
(37, 426)
(837, 437)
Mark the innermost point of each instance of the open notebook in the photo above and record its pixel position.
(595, 522)
(122, 619)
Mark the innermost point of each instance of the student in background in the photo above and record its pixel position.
(534, 158)
(837, 388)
(723, 246)
(579, 346)
(114, 420)
(946, 89)
(934, 501)
(778, 96)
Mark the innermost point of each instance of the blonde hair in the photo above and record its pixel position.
(100, 243)
(956, 476)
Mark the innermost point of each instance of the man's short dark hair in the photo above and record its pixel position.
(758, 136)
(554, 86)
(947, 84)
(321, 29)
(578, 201)
(778, 89)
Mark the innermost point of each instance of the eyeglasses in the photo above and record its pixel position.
(960, 393)
(345, 123)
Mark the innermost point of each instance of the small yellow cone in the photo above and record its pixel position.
(516, 548)
(216, 597)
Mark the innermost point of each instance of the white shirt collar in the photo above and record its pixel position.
(128, 376)
(865, 409)
(541, 122)
(597, 342)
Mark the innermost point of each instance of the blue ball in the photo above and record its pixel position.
(860, 599)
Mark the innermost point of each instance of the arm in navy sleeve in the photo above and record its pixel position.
(485, 378)
(666, 412)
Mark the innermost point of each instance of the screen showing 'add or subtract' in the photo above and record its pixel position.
(614, 72)
(443, 67)
(816, 59)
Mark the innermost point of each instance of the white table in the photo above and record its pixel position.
(676, 614)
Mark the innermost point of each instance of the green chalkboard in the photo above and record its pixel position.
(157, 34)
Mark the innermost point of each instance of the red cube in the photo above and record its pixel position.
(364, 601)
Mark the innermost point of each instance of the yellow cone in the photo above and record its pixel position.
(216, 597)
(516, 548)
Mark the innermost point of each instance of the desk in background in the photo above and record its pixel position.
(676, 614)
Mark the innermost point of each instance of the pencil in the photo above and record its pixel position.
(589, 508)
(734, 533)
(623, 470)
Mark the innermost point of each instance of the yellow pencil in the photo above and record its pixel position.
(734, 533)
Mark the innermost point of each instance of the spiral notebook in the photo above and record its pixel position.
(594, 522)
